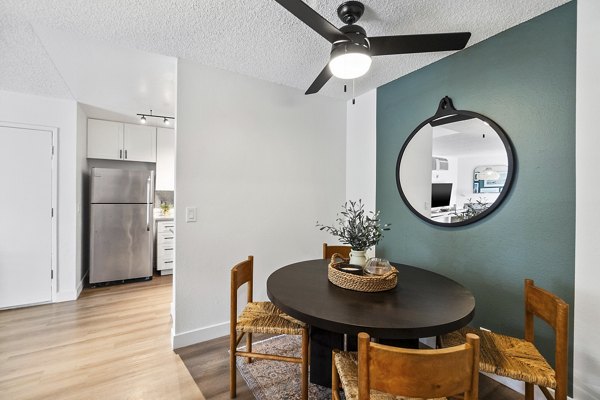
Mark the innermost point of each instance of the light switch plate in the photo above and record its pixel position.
(190, 214)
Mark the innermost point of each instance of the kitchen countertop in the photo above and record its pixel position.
(158, 216)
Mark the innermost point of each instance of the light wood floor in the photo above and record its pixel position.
(112, 343)
(208, 363)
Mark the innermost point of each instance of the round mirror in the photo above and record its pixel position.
(455, 168)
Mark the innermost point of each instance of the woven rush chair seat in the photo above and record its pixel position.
(518, 358)
(265, 317)
(260, 317)
(347, 367)
(507, 356)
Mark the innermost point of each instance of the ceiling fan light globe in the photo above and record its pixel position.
(489, 175)
(350, 65)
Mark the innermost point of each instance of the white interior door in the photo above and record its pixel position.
(26, 204)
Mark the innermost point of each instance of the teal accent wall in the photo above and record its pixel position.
(523, 79)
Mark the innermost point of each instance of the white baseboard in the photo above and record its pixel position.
(80, 285)
(200, 335)
(585, 390)
(66, 296)
(70, 295)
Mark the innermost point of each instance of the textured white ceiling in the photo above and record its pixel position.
(258, 38)
(112, 78)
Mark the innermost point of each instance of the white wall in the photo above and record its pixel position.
(586, 368)
(262, 163)
(361, 149)
(165, 159)
(361, 152)
(61, 114)
(82, 198)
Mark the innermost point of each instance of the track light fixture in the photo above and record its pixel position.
(166, 120)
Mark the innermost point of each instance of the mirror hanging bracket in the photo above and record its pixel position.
(446, 113)
(445, 108)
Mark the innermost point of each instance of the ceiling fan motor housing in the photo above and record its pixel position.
(350, 11)
(356, 34)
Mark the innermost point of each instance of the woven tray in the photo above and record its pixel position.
(359, 283)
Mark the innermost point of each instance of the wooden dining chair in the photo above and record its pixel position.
(260, 317)
(519, 358)
(380, 372)
(329, 251)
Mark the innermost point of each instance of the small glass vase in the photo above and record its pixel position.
(358, 257)
(377, 266)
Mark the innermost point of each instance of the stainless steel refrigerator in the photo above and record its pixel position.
(121, 224)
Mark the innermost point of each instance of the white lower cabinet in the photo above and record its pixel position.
(165, 247)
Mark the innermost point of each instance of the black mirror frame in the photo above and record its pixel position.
(446, 109)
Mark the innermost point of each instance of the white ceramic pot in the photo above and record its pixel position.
(358, 257)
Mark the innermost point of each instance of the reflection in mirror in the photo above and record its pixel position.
(489, 178)
(453, 169)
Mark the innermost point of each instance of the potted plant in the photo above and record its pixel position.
(165, 207)
(357, 228)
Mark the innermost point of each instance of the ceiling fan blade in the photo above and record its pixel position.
(320, 81)
(404, 44)
(313, 19)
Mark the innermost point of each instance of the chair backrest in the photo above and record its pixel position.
(328, 251)
(418, 373)
(555, 312)
(241, 273)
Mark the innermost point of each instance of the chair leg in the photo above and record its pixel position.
(560, 393)
(304, 374)
(249, 346)
(528, 391)
(335, 378)
(232, 369)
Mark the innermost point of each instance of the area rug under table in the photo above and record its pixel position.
(274, 380)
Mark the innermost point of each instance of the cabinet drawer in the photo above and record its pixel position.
(165, 245)
(166, 252)
(166, 227)
(164, 237)
(166, 264)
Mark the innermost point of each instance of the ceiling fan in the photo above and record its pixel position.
(352, 49)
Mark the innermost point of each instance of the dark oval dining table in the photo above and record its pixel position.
(423, 304)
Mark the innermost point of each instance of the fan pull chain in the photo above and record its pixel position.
(353, 98)
(345, 88)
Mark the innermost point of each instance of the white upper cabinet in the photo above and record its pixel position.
(139, 143)
(165, 159)
(105, 139)
(119, 141)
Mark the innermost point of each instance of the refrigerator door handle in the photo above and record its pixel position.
(148, 190)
